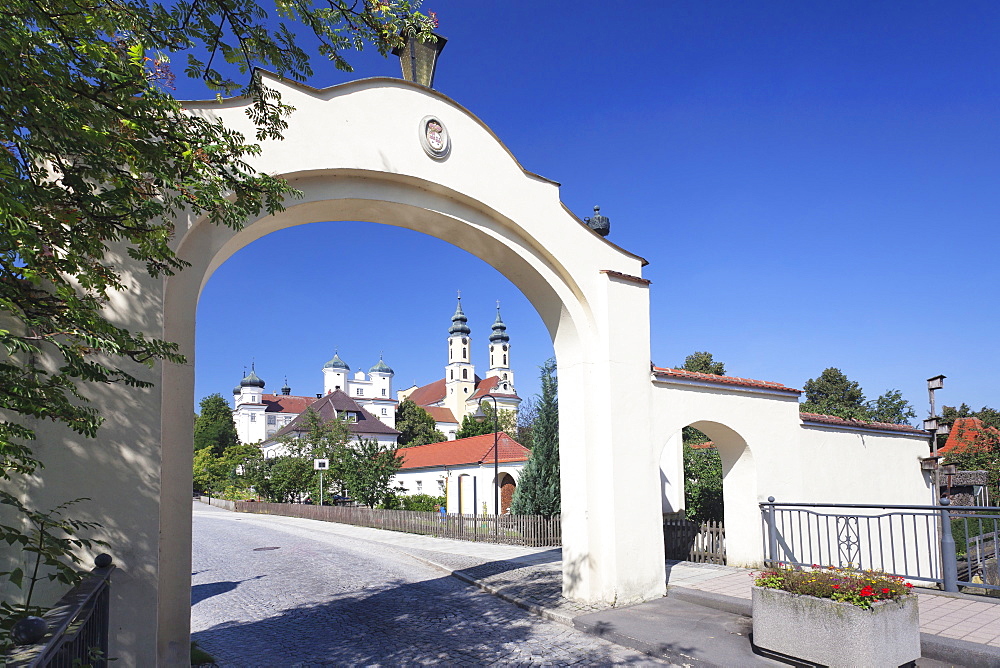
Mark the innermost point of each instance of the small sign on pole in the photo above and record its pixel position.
(321, 465)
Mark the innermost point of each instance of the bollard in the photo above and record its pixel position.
(949, 565)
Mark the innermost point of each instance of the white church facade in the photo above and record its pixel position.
(261, 417)
(458, 394)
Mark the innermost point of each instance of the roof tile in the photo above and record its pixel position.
(665, 372)
(861, 424)
(472, 450)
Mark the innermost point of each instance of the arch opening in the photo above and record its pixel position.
(719, 486)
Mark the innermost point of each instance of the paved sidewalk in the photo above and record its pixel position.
(956, 629)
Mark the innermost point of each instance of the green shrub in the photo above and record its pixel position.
(424, 502)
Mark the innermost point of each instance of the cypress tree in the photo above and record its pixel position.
(538, 491)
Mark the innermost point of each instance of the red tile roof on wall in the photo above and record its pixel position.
(286, 403)
(464, 451)
(664, 372)
(963, 434)
(428, 394)
(860, 424)
(440, 413)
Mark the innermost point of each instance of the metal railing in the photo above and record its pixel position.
(75, 631)
(530, 530)
(954, 546)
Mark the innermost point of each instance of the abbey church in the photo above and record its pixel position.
(366, 399)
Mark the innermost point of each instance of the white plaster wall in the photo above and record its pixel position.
(475, 481)
(767, 451)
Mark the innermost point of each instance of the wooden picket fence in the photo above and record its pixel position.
(685, 540)
(530, 530)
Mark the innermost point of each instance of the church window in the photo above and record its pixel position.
(452, 375)
(505, 360)
(360, 392)
(384, 391)
(385, 412)
(465, 374)
(451, 354)
(271, 420)
(464, 353)
(505, 376)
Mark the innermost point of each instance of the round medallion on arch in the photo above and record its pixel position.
(434, 138)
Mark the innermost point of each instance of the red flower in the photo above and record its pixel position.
(885, 591)
(835, 586)
(908, 585)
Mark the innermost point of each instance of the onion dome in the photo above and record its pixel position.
(381, 367)
(336, 363)
(459, 323)
(600, 224)
(253, 380)
(237, 389)
(285, 390)
(499, 334)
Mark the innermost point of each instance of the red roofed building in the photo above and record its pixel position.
(451, 398)
(462, 470)
(966, 433)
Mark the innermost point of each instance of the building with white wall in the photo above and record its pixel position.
(333, 406)
(463, 471)
(451, 398)
(260, 416)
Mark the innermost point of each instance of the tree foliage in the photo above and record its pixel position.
(505, 421)
(703, 362)
(99, 162)
(538, 491)
(703, 499)
(416, 426)
(368, 469)
(214, 427)
(833, 393)
(702, 466)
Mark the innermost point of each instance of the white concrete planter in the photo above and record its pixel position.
(830, 633)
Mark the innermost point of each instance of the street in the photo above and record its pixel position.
(268, 592)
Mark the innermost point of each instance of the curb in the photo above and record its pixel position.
(962, 652)
(938, 648)
(545, 613)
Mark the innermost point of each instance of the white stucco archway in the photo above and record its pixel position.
(354, 151)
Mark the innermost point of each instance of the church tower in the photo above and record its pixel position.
(459, 374)
(335, 374)
(500, 356)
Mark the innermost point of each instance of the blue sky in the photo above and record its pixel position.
(813, 184)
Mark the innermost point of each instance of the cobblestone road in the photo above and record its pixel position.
(269, 594)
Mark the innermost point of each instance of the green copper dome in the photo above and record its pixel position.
(459, 323)
(252, 380)
(336, 363)
(381, 367)
(499, 334)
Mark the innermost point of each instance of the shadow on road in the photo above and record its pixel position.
(202, 591)
(433, 621)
